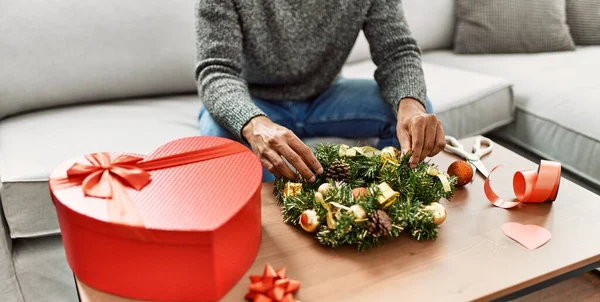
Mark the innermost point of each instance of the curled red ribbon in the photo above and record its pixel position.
(106, 178)
(272, 286)
(539, 185)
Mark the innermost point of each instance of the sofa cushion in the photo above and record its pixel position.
(467, 103)
(431, 24)
(583, 17)
(511, 26)
(69, 51)
(557, 102)
(33, 144)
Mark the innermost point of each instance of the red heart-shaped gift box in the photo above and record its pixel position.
(181, 224)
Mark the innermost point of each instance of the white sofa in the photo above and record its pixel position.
(79, 77)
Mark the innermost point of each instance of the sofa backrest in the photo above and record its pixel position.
(430, 21)
(61, 52)
(57, 52)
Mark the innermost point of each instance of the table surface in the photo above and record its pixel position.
(471, 260)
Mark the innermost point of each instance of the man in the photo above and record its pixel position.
(267, 73)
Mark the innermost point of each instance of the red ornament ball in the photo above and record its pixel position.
(463, 172)
(309, 220)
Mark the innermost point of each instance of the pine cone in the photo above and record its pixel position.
(338, 170)
(379, 224)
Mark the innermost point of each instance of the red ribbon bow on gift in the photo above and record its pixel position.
(272, 286)
(97, 178)
(106, 178)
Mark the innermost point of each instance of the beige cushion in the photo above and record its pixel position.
(33, 144)
(511, 26)
(557, 103)
(583, 17)
(467, 103)
(63, 52)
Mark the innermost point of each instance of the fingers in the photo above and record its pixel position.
(306, 154)
(270, 142)
(278, 165)
(404, 138)
(440, 139)
(423, 134)
(417, 132)
(297, 162)
(429, 141)
(270, 167)
(288, 145)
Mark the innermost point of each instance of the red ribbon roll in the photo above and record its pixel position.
(529, 186)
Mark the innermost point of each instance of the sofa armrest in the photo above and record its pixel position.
(9, 287)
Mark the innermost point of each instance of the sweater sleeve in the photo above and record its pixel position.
(221, 87)
(395, 52)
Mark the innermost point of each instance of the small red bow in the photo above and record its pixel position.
(272, 286)
(97, 178)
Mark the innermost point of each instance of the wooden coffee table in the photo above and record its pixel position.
(471, 260)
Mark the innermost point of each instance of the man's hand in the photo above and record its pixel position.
(270, 141)
(418, 131)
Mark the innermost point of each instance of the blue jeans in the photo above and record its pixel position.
(350, 108)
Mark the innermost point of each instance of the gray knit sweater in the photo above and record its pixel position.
(294, 50)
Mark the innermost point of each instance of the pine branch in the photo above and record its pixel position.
(278, 190)
(327, 154)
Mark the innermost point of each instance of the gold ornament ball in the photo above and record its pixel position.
(358, 192)
(391, 151)
(319, 198)
(309, 220)
(463, 172)
(438, 211)
(324, 188)
(358, 212)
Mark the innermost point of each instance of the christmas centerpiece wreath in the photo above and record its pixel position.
(366, 195)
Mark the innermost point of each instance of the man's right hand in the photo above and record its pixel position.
(270, 141)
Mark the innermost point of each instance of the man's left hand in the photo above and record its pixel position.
(418, 131)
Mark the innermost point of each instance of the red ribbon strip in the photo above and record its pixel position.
(529, 186)
(272, 286)
(106, 178)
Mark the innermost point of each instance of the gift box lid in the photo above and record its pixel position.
(182, 203)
